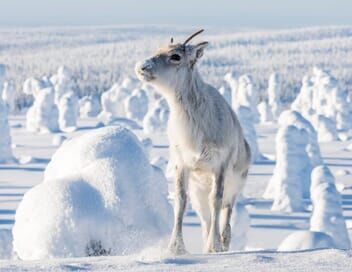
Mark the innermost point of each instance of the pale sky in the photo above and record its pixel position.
(233, 13)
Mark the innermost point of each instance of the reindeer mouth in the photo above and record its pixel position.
(144, 74)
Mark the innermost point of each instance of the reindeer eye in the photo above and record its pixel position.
(175, 57)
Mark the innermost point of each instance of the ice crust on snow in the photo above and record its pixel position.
(78, 211)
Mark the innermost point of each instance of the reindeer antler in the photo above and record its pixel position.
(192, 36)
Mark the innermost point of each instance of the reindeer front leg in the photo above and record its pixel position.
(176, 245)
(215, 202)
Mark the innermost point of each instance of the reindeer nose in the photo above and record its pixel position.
(147, 65)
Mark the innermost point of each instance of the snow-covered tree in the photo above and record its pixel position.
(42, 116)
(274, 92)
(89, 106)
(156, 118)
(136, 105)
(304, 100)
(292, 170)
(5, 138)
(327, 214)
(62, 82)
(240, 225)
(68, 112)
(265, 112)
(290, 117)
(246, 119)
(9, 95)
(325, 127)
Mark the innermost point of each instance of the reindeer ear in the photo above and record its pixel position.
(199, 48)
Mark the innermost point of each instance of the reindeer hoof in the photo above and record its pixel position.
(177, 248)
(214, 246)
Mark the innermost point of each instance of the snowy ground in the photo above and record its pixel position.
(267, 230)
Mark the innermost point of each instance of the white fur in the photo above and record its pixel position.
(207, 146)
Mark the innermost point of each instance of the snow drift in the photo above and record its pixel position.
(100, 195)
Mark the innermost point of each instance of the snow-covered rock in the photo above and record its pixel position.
(327, 213)
(155, 121)
(240, 225)
(89, 106)
(42, 116)
(5, 138)
(265, 112)
(100, 195)
(246, 119)
(5, 244)
(290, 117)
(112, 103)
(9, 95)
(68, 112)
(136, 105)
(325, 127)
(292, 170)
(274, 92)
(306, 240)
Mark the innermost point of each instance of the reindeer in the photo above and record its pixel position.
(211, 158)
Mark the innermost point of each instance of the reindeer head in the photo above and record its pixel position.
(171, 65)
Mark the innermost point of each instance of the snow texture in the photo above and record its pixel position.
(77, 211)
(327, 213)
(306, 240)
(292, 170)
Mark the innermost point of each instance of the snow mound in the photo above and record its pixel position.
(305, 240)
(327, 213)
(100, 195)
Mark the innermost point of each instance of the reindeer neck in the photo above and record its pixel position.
(187, 96)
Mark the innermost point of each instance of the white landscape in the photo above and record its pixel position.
(86, 181)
